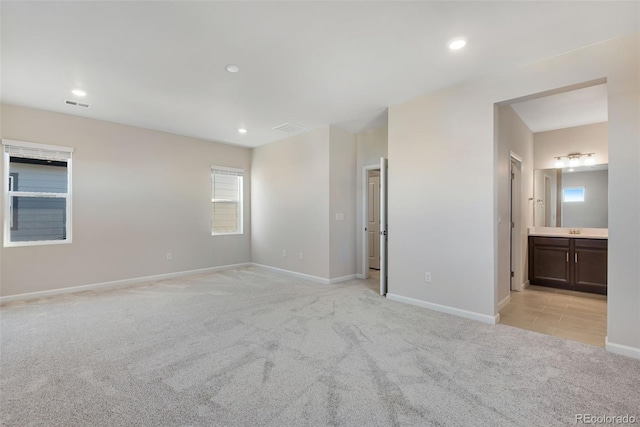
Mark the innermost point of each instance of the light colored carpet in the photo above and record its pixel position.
(253, 348)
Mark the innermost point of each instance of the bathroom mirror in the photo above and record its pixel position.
(576, 197)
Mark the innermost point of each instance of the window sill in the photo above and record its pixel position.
(36, 243)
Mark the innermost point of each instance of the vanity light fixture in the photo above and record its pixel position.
(575, 160)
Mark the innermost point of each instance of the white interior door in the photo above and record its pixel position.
(373, 220)
(516, 236)
(383, 226)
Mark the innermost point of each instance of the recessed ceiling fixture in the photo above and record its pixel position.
(79, 92)
(242, 130)
(232, 68)
(457, 44)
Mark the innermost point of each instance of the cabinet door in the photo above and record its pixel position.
(590, 258)
(549, 261)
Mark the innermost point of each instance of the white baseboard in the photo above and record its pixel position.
(502, 304)
(117, 283)
(343, 278)
(621, 349)
(526, 284)
(492, 320)
(309, 277)
(360, 276)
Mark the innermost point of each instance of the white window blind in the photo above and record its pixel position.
(31, 150)
(226, 198)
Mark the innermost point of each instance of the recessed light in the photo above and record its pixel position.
(79, 92)
(457, 44)
(232, 68)
(242, 130)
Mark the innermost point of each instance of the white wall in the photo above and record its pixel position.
(372, 145)
(593, 212)
(342, 200)
(451, 229)
(580, 139)
(513, 136)
(290, 200)
(137, 194)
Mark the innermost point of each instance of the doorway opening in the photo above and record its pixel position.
(515, 226)
(374, 220)
(556, 282)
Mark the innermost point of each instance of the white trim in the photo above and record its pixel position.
(515, 156)
(364, 274)
(623, 350)
(502, 304)
(525, 285)
(492, 320)
(309, 277)
(37, 145)
(117, 283)
(360, 276)
(343, 278)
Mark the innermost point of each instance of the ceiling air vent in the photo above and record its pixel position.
(77, 104)
(289, 128)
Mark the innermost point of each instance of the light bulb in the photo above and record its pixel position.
(559, 163)
(574, 162)
(590, 160)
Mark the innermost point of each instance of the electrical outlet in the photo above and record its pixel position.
(301, 256)
(284, 253)
(169, 256)
(427, 277)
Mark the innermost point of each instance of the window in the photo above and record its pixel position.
(37, 194)
(226, 198)
(573, 194)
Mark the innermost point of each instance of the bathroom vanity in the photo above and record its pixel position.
(561, 258)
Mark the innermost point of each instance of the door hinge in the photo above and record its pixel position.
(512, 275)
(513, 176)
(513, 225)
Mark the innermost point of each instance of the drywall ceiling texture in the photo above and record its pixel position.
(342, 203)
(513, 136)
(137, 194)
(290, 200)
(372, 145)
(451, 230)
(561, 142)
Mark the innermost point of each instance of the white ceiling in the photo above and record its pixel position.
(160, 65)
(564, 110)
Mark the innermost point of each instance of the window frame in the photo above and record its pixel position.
(240, 216)
(8, 195)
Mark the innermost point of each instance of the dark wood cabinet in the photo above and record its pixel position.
(577, 264)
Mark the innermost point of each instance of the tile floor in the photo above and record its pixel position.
(572, 315)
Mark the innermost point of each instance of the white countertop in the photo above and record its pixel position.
(585, 233)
